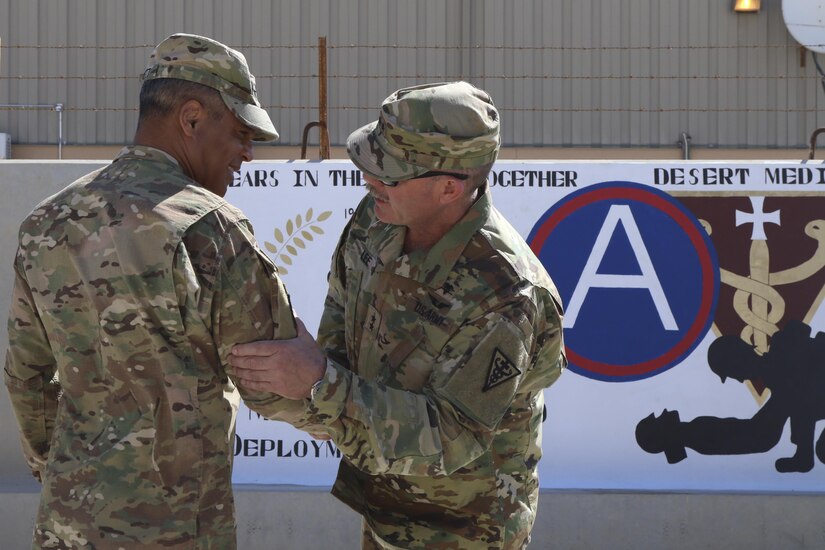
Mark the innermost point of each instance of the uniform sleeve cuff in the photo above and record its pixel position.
(329, 395)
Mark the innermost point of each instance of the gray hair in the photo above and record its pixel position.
(160, 97)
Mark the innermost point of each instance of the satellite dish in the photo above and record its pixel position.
(805, 20)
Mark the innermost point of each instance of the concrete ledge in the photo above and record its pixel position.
(309, 518)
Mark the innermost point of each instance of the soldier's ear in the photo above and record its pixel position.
(190, 115)
(451, 190)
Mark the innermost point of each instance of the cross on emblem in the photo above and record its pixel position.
(758, 218)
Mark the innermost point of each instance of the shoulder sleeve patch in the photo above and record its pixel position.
(501, 370)
(487, 376)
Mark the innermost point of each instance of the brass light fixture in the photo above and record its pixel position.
(746, 6)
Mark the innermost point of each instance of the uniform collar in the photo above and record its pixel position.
(143, 152)
(430, 267)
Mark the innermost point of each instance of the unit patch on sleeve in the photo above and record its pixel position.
(501, 370)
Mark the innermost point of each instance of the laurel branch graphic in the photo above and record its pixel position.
(295, 236)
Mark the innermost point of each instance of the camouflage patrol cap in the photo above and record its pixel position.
(208, 62)
(443, 126)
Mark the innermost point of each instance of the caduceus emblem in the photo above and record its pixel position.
(756, 299)
(771, 289)
(759, 299)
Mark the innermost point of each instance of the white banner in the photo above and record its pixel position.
(655, 261)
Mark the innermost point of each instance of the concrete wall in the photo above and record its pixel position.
(290, 517)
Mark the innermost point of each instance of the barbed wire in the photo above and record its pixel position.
(505, 109)
(623, 78)
(428, 77)
(133, 46)
(667, 47)
(577, 48)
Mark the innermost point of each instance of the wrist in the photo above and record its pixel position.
(313, 390)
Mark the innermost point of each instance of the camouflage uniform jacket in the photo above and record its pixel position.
(433, 388)
(132, 284)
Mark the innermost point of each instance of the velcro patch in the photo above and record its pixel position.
(486, 377)
(501, 370)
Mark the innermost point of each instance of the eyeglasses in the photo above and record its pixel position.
(430, 174)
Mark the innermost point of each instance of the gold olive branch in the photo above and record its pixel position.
(296, 234)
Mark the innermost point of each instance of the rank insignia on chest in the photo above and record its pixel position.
(501, 370)
(373, 321)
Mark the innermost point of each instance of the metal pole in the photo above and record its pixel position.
(812, 142)
(307, 128)
(59, 108)
(684, 143)
(322, 96)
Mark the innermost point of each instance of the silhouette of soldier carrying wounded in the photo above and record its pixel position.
(793, 369)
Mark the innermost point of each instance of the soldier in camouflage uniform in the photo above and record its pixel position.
(440, 330)
(131, 286)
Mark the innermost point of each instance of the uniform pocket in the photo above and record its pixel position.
(90, 431)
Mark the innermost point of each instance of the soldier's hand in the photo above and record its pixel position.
(286, 367)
